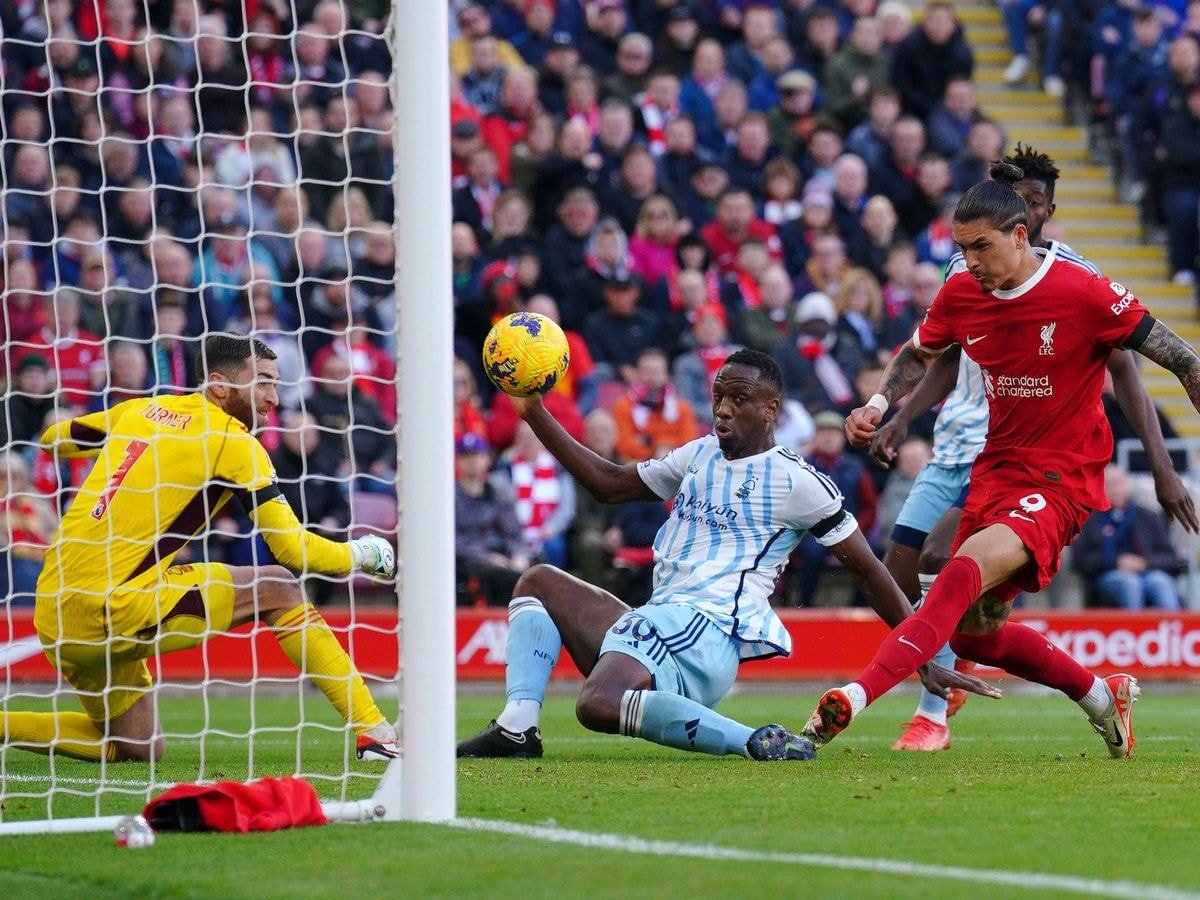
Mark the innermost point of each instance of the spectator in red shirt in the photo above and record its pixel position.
(374, 371)
(75, 356)
(734, 224)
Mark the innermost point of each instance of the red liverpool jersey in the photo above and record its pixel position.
(1042, 347)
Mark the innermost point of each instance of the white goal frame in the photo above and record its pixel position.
(420, 786)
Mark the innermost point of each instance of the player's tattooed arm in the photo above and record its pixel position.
(903, 372)
(1176, 355)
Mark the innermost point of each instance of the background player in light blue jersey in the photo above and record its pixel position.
(920, 543)
(740, 504)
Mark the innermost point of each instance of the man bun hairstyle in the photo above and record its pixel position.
(768, 369)
(995, 201)
(227, 353)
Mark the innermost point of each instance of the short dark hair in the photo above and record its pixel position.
(1035, 165)
(995, 201)
(768, 369)
(229, 351)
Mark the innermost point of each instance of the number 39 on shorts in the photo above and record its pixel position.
(1031, 503)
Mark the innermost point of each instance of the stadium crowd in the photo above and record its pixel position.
(669, 179)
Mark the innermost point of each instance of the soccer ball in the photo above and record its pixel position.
(525, 354)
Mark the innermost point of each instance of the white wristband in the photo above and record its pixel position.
(879, 402)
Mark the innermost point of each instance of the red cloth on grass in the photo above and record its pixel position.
(266, 805)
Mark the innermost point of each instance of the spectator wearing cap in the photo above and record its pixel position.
(635, 53)
(607, 22)
(489, 553)
(929, 57)
(870, 139)
(705, 78)
(793, 118)
(560, 60)
(694, 371)
(860, 66)
(746, 160)
(745, 57)
(735, 223)
(827, 454)
(475, 21)
(707, 183)
(678, 37)
(606, 254)
(475, 201)
(926, 282)
(564, 246)
(652, 418)
(621, 330)
(812, 372)
(30, 398)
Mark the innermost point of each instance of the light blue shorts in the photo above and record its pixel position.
(684, 651)
(933, 493)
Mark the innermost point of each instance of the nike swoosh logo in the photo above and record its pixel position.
(905, 640)
(1016, 515)
(975, 340)
(514, 737)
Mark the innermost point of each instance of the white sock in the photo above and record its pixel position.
(858, 697)
(519, 715)
(1098, 702)
(926, 582)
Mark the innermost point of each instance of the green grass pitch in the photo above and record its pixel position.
(1026, 803)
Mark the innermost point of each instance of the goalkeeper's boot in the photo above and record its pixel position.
(831, 717)
(774, 742)
(495, 741)
(378, 744)
(1116, 727)
(923, 734)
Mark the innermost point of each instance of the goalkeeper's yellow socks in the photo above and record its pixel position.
(68, 733)
(305, 637)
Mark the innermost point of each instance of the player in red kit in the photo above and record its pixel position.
(1041, 329)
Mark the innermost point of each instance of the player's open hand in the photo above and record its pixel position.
(939, 680)
(860, 425)
(1175, 500)
(523, 405)
(886, 442)
(373, 556)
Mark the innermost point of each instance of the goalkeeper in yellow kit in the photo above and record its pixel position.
(109, 597)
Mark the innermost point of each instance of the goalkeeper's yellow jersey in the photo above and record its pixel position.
(165, 467)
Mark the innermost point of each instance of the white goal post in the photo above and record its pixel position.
(420, 785)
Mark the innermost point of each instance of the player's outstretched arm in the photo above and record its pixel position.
(1139, 409)
(303, 551)
(77, 438)
(901, 375)
(607, 481)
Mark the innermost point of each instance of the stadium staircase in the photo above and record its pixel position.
(1089, 217)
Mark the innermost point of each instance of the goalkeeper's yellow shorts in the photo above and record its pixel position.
(101, 646)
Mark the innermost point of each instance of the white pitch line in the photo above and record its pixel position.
(1028, 880)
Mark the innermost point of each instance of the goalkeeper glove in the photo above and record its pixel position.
(373, 555)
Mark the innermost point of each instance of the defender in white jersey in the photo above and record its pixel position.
(921, 540)
(739, 505)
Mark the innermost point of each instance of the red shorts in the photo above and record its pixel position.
(1045, 519)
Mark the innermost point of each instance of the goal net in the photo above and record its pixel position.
(170, 173)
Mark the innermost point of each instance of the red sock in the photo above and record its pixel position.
(1020, 650)
(914, 641)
